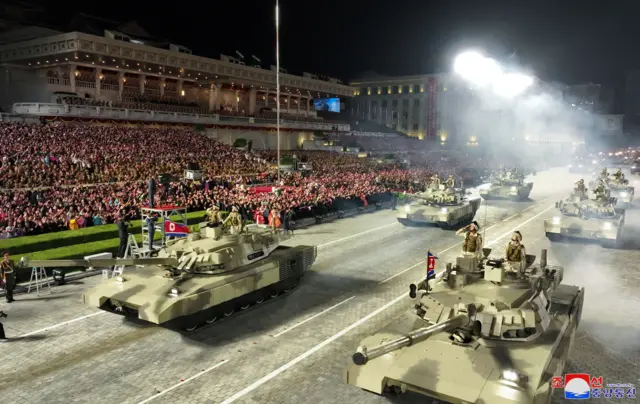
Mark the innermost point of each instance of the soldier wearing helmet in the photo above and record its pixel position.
(472, 243)
(515, 253)
(235, 221)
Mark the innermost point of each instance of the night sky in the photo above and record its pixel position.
(563, 40)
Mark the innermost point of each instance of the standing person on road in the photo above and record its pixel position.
(8, 275)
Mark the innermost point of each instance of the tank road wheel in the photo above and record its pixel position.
(191, 328)
(260, 300)
(246, 306)
(228, 313)
(212, 320)
(274, 295)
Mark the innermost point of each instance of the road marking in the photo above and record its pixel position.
(524, 210)
(356, 235)
(310, 352)
(312, 317)
(51, 327)
(334, 337)
(175, 386)
(522, 224)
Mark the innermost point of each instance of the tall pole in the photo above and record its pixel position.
(278, 83)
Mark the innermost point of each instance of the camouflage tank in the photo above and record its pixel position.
(587, 218)
(479, 334)
(507, 185)
(198, 279)
(440, 205)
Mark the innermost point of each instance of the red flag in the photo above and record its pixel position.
(175, 229)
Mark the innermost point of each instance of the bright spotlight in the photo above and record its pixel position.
(476, 68)
(512, 84)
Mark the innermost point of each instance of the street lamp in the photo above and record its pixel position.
(482, 71)
(278, 84)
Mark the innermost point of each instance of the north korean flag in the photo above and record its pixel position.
(431, 265)
(175, 229)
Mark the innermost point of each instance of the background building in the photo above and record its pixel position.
(594, 98)
(419, 106)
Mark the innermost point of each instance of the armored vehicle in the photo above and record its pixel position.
(200, 278)
(507, 185)
(635, 167)
(439, 205)
(482, 333)
(587, 218)
(584, 164)
(619, 189)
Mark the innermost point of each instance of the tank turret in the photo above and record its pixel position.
(471, 339)
(199, 278)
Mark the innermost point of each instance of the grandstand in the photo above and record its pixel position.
(105, 70)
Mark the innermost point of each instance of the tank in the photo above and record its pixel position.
(507, 186)
(619, 189)
(439, 205)
(582, 217)
(482, 332)
(200, 278)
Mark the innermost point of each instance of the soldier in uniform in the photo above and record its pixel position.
(235, 221)
(515, 253)
(8, 276)
(604, 173)
(580, 190)
(215, 216)
(434, 182)
(472, 239)
(619, 176)
(450, 182)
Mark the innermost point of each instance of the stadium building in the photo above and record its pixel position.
(419, 106)
(106, 71)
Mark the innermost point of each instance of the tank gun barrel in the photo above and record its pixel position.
(98, 262)
(364, 355)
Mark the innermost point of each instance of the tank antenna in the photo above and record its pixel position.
(484, 235)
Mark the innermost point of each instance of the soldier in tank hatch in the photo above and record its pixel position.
(235, 221)
(472, 239)
(514, 252)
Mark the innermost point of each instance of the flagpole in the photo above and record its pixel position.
(278, 84)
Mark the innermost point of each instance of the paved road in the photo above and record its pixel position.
(294, 349)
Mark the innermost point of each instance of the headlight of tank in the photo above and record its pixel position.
(623, 194)
(513, 376)
(607, 226)
(556, 220)
(407, 208)
(633, 167)
(444, 210)
(119, 279)
(514, 189)
(174, 292)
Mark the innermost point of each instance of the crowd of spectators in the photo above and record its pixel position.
(56, 176)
